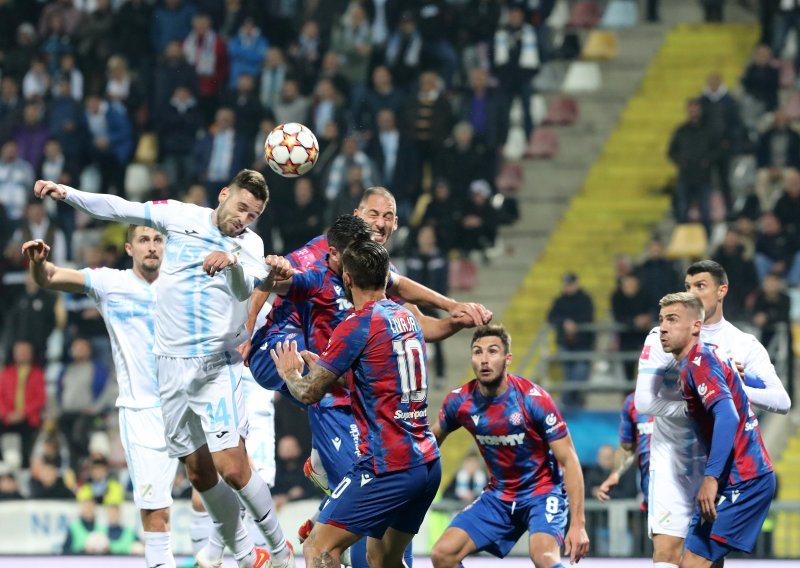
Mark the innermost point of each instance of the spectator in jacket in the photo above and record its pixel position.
(778, 153)
(208, 54)
(428, 265)
(396, 159)
(66, 123)
(22, 397)
(111, 141)
(302, 220)
(772, 315)
(177, 126)
(273, 74)
(382, 94)
(484, 108)
(761, 79)
(732, 254)
(479, 219)
(571, 309)
(787, 207)
(246, 51)
(221, 152)
(31, 133)
(632, 308)
(693, 150)
(721, 114)
(16, 180)
(172, 21)
(776, 252)
(173, 71)
(246, 107)
(48, 483)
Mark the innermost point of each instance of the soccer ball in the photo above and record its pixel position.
(291, 149)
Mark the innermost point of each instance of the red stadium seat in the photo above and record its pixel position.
(792, 107)
(543, 144)
(510, 178)
(787, 73)
(563, 110)
(584, 14)
(463, 275)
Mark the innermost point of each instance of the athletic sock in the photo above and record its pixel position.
(257, 500)
(158, 550)
(223, 508)
(200, 526)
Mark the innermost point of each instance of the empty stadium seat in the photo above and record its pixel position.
(600, 45)
(137, 182)
(584, 14)
(510, 177)
(787, 73)
(688, 241)
(550, 77)
(543, 144)
(582, 77)
(792, 107)
(563, 110)
(620, 14)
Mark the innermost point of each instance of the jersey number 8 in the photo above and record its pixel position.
(411, 362)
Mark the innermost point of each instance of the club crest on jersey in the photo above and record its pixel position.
(551, 419)
(515, 418)
(475, 418)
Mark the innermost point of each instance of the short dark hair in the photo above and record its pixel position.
(346, 230)
(131, 231)
(712, 267)
(367, 263)
(493, 330)
(253, 182)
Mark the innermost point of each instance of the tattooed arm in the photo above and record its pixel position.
(307, 389)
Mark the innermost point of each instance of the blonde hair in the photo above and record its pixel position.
(688, 300)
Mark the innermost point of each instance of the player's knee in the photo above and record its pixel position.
(202, 479)
(668, 551)
(545, 559)
(155, 520)
(375, 558)
(444, 556)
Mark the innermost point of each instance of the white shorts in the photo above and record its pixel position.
(203, 402)
(261, 438)
(671, 495)
(151, 469)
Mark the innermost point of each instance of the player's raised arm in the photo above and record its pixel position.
(307, 389)
(416, 293)
(98, 205)
(576, 541)
(49, 276)
(439, 329)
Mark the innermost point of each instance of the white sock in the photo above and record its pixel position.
(223, 508)
(664, 565)
(158, 550)
(257, 499)
(200, 525)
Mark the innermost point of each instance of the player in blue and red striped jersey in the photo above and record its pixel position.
(738, 483)
(523, 439)
(386, 494)
(634, 444)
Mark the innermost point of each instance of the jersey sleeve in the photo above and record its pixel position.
(706, 378)
(544, 414)
(163, 212)
(346, 344)
(773, 396)
(303, 286)
(448, 414)
(653, 364)
(627, 428)
(97, 283)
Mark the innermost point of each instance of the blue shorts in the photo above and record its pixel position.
(495, 525)
(741, 511)
(261, 364)
(367, 504)
(334, 435)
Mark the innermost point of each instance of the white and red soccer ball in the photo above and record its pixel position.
(291, 149)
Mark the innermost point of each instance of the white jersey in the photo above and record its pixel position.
(197, 315)
(127, 304)
(658, 391)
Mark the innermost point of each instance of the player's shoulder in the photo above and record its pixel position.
(461, 393)
(629, 401)
(529, 390)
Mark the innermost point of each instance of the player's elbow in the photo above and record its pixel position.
(784, 403)
(643, 402)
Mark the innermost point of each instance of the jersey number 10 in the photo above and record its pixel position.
(413, 374)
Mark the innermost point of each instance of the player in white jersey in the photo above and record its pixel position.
(126, 299)
(212, 263)
(677, 460)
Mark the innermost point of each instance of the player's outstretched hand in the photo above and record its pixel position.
(281, 267)
(576, 543)
(43, 188)
(36, 251)
(605, 487)
(479, 314)
(707, 498)
(286, 358)
(218, 261)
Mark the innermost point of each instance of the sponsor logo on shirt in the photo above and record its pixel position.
(702, 389)
(411, 415)
(551, 419)
(752, 425)
(508, 440)
(645, 353)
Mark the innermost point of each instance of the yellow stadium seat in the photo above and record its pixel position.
(688, 240)
(601, 44)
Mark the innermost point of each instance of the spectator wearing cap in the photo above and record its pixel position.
(479, 219)
(571, 309)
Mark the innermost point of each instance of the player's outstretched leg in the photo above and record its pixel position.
(545, 551)
(388, 552)
(451, 548)
(325, 545)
